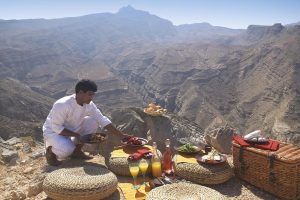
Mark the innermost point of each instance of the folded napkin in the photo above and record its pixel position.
(143, 150)
(270, 145)
(141, 153)
(135, 156)
(186, 159)
(124, 152)
(241, 141)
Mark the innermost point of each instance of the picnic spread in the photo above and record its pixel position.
(151, 173)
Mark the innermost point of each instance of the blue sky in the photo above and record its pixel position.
(227, 13)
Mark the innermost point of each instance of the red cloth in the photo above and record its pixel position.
(135, 156)
(241, 141)
(143, 152)
(270, 145)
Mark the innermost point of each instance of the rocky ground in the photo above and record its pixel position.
(23, 168)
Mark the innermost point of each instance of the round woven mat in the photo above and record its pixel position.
(88, 182)
(119, 166)
(204, 173)
(188, 191)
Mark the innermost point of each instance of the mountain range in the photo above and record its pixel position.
(209, 75)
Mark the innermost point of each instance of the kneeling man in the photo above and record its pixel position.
(72, 117)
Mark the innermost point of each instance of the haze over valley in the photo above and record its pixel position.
(209, 75)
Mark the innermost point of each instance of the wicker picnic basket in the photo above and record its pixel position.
(88, 182)
(277, 172)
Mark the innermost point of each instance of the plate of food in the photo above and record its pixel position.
(212, 157)
(187, 148)
(154, 110)
(94, 138)
(134, 141)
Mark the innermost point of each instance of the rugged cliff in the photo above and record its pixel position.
(246, 78)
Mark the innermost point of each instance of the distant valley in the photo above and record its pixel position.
(249, 79)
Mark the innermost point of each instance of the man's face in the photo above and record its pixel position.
(86, 97)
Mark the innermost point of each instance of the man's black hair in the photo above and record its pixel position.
(85, 85)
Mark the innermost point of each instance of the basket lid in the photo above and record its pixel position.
(287, 153)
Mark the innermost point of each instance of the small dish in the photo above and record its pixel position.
(186, 150)
(201, 159)
(94, 138)
(142, 140)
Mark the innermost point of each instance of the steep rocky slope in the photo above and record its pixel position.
(247, 78)
(22, 110)
(250, 87)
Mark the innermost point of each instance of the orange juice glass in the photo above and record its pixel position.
(143, 165)
(156, 169)
(134, 171)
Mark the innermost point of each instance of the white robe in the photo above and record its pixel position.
(66, 113)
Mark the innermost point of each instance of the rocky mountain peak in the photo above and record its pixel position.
(293, 24)
(198, 71)
(129, 11)
(142, 23)
(261, 31)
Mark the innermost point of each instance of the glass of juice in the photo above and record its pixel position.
(156, 169)
(143, 165)
(134, 171)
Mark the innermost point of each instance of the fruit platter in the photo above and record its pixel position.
(154, 110)
(212, 157)
(134, 141)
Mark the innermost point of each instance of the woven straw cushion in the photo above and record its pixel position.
(184, 191)
(88, 182)
(119, 166)
(204, 173)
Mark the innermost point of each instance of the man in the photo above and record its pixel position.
(72, 117)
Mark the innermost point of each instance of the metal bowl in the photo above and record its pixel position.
(143, 140)
(94, 138)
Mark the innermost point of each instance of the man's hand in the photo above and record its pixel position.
(69, 133)
(115, 131)
(98, 137)
(125, 135)
(79, 139)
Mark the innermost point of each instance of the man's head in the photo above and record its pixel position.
(85, 90)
